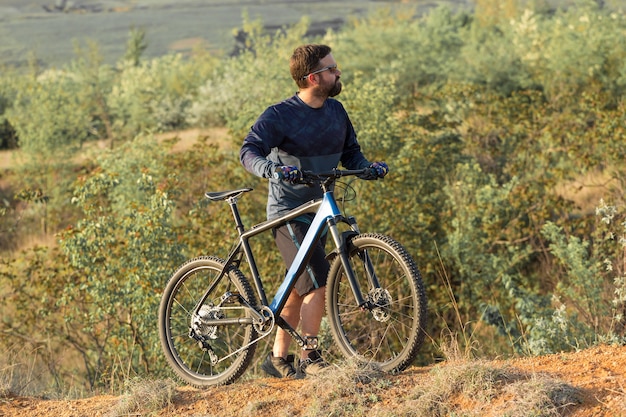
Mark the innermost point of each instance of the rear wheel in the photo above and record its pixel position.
(388, 330)
(199, 353)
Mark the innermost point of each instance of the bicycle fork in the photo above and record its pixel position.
(342, 244)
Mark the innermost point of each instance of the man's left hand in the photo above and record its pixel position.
(377, 170)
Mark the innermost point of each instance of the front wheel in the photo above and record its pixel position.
(388, 330)
(200, 353)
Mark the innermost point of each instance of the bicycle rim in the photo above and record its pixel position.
(389, 335)
(211, 361)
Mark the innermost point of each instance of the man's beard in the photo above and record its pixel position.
(335, 90)
(327, 90)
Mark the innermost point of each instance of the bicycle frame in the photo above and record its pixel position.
(375, 318)
(327, 214)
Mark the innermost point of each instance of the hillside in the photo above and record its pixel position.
(49, 30)
(590, 383)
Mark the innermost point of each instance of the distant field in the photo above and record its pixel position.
(37, 26)
(41, 28)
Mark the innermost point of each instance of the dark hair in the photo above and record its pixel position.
(304, 60)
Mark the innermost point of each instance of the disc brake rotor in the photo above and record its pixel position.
(381, 301)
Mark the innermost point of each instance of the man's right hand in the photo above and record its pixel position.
(288, 173)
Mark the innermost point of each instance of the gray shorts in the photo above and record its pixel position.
(288, 239)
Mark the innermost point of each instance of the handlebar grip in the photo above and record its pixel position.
(278, 174)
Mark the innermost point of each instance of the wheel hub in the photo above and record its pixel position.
(381, 301)
(198, 321)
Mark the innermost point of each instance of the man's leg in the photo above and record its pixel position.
(291, 314)
(306, 310)
(311, 313)
(280, 363)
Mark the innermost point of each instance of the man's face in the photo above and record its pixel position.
(329, 80)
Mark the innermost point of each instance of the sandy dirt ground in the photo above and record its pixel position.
(599, 374)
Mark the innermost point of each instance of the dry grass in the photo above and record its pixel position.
(345, 390)
(461, 382)
(145, 397)
(540, 395)
(477, 389)
(462, 388)
(21, 371)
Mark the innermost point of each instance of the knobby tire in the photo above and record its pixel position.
(389, 336)
(182, 294)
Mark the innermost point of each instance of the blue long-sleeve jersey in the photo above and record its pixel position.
(292, 133)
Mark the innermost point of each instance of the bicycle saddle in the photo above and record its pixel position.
(223, 195)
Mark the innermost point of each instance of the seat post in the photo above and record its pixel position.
(232, 202)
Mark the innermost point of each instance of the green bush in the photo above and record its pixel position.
(592, 289)
(124, 248)
(151, 96)
(243, 86)
(47, 115)
(8, 136)
(417, 52)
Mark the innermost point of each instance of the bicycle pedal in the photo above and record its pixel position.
(310, 343)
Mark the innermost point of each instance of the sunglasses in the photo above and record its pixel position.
(332, 68)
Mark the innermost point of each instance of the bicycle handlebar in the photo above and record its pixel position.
(335, 173)
(310, 176)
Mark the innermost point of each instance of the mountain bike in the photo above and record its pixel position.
(211, 316)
